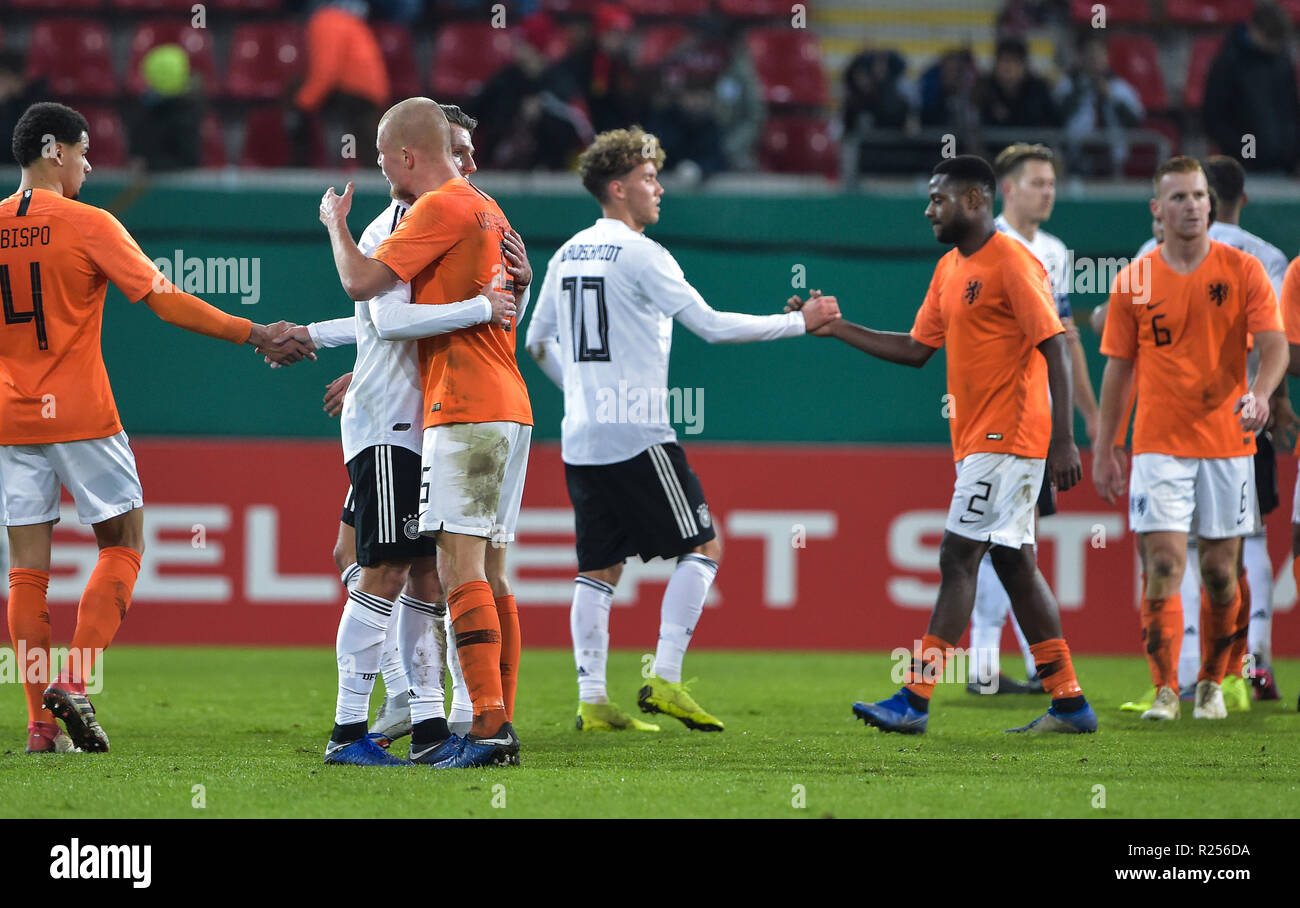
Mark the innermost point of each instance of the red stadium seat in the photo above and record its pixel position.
(196, 41)
(799, 144)
(467, 54)
(1134, 59)
(1118, 12)
(213, 139)
(1208, 12)
(264, 60)
(56, 6)
(789, 65)
(756, 9)
(657, 41)
(55, 42)
(266, 142)
(680, 9)
(398, 48)
(568, 7)
(1204, 50)
(247, 6)
(1292, 7)
(107, 137)
(151, 6)
(1143, 158)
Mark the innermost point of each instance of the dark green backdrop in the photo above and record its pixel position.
(876, 254)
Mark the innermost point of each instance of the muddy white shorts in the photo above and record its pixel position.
(99, 473)
(994, 497)
(472, 478)
(1164, 491)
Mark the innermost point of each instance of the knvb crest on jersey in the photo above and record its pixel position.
(1218, 292)
(972, 293)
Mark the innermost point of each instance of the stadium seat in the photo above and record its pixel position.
(151, 6)
(56, 6)
(1118, 12)
(54, 42)
(756, 9)
(794, 143)
(196, 41)
(107, 137)
(266, 141)
(679, 9)
(657, 41)
(789, 65)
(1143, 158)
(1292, 7)
(465, 55)
(247, 6)
(1134, 59)
(398, 49)
(1204, 50)
(213, 139)
(1207, 12)
(264, 60)
(568, 7)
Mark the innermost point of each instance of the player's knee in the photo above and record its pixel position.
(711, 549)
(384, 580)
(1163, 566)
(958, 557)
(609, 575)
(1219, 579)
(1295, 539)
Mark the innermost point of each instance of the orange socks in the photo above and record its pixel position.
(478, 643)
(927, 666)
(1055, 670)
(511, 644)
(29, 628)
(1240, 630)
(1162, 631)
(103, 606)
(1217, 626)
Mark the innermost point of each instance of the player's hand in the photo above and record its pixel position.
(1063, 465)
(335, 208)
(818, 313)
(1108, 472)
(1098, 319)
(1253, 410)
(503, 306)
(794, 303)
(334, 392)
(512, 247)
(287, 344)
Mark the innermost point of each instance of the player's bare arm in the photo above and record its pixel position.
(362, 277)
(1274, 358)
(1107, 463)
(1084, 398)
(893, 346)
(1063, 465)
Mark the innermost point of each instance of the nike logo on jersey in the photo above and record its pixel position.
(962, 519)
(1156, 303)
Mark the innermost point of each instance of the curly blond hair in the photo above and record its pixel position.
(613, 154)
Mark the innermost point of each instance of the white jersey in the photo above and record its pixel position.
(385, 401)
(1054, 256)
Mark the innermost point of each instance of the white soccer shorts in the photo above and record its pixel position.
(99, 473)
(994, 497)
(472, 478)
(1164, 491)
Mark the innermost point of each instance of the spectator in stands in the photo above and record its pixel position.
(526, 111)
(16, 95)
(346, 78)
(741, 108)
(601, 65)
(687, 127)
(1251, 91)
(1012, 95)
(165, 127)
(874, 93)
(947, 92)
(1098, 107)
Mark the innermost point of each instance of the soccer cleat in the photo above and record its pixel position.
(502, 749)
(1082, 721)
(1236, 693)
(1265, 685)
(608, 717)
(1166, 705)
(1005, 685)
(78, 716)
(362, 752)
(1209, 701)
(894, 714)
(394, 719)
(1141, 704)
(435, 753)
(674, 699)
(48, 738)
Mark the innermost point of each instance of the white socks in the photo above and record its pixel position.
(391, 660)
(1189, 657)
(683, 603)
(991, 608)
(589, 625)
(462, 710)
(360, 640)
(1259, 574)
(422, 644)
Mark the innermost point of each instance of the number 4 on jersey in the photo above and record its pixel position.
(35, 314)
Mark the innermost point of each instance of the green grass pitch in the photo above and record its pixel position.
(249, 727)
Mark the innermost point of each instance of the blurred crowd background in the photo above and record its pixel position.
(843, 89)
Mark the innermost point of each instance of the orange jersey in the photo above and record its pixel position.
(56, 259)
(992, 310)
(1290, 305)
(1189, 335)
(448, 246)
